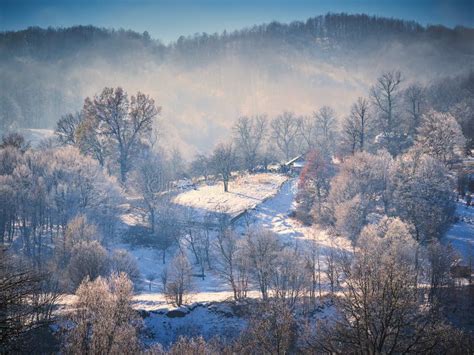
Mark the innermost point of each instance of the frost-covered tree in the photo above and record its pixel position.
(441, 136)
(290, 278)
(201, 166)
(351, 216)
(423, 194)
(272, 330)
(103, 320)
(377, 312)
(360, 188)
(77, 230)
(120, 124)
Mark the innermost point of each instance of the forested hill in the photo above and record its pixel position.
(334, 29)
(209, 79)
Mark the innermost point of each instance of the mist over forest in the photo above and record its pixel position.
(301, 188)
(204, 82)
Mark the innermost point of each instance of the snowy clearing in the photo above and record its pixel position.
(245, 192)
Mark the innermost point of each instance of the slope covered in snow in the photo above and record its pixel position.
(245, 192)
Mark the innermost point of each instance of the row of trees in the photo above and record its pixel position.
(393, 118)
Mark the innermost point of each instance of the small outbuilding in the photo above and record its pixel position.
(295, 165)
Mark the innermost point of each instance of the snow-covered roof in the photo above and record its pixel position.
(294, 159)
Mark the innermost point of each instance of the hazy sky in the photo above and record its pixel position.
(168, 19)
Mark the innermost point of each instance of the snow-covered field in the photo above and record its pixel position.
(245, 192)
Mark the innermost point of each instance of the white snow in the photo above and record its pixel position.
(245, 192)
(208, 321)
(461, 233)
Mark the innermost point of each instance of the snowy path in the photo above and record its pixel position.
(273, 213)
(461, 234)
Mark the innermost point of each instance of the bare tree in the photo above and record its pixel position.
(249, 134)
(178, 281)
(177, 166)
(197, 242)
(385, 95)
(441, 259)
(271, 331)
(168, 227)
(325, 129)
(151, 179)
(66, 128)
(285, 130)
(313, 265)
(308, 132)
(223, 162)
(415, 98)
(350, 137)
(231, 264)
(262, 248)
(150, 278)
(332, 258)
(359, 126)
(289, 277)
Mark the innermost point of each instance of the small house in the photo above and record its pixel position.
(295, 165)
